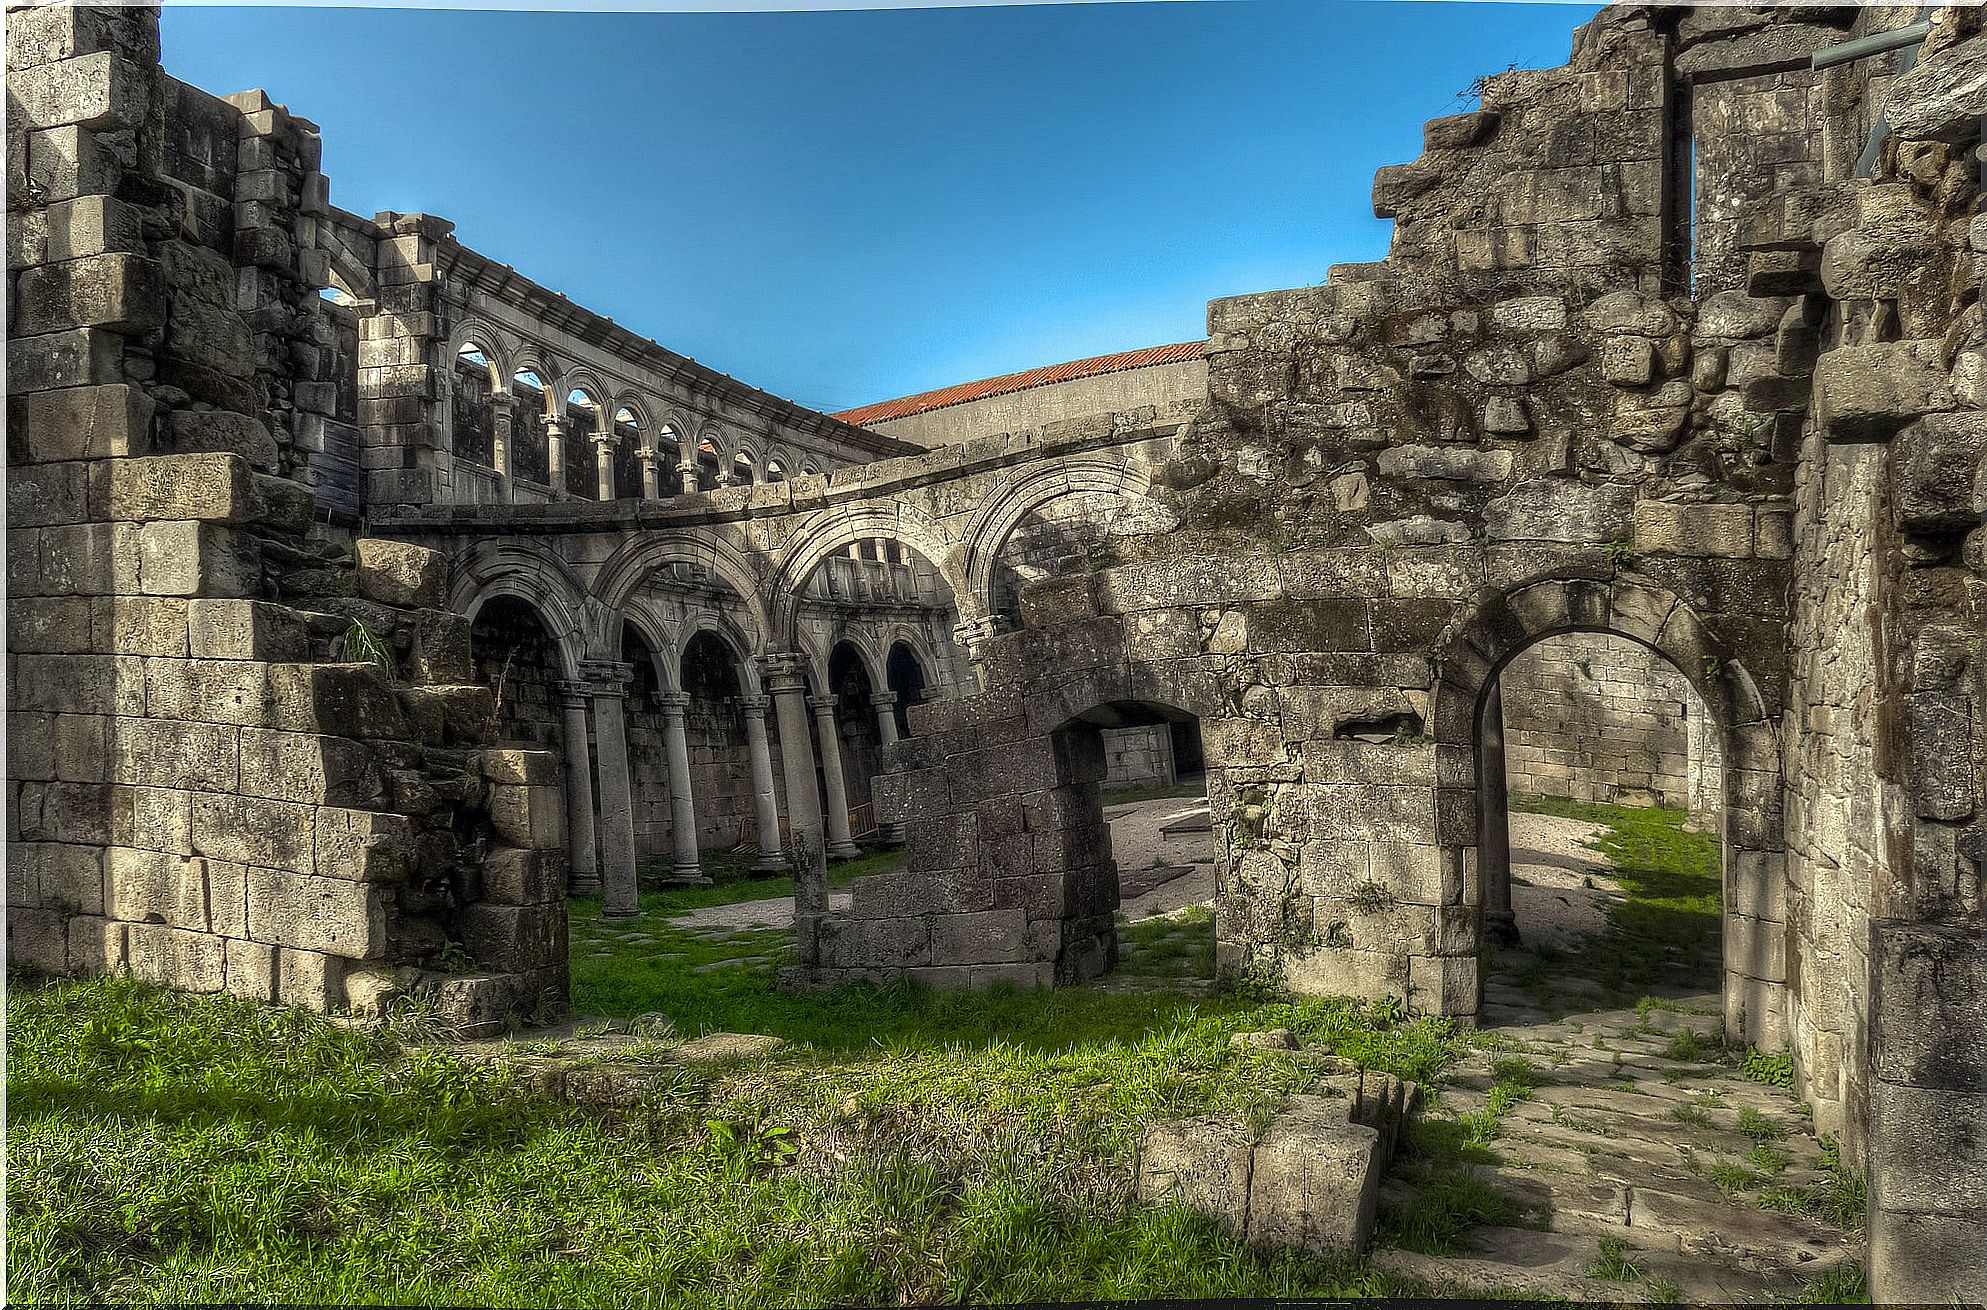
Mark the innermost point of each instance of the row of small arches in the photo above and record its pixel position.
(478, 376)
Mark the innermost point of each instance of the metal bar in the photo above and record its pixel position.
(1875, 44)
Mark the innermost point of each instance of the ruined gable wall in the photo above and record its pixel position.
(205, 787)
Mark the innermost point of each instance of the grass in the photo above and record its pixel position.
(1663, 934)
(1612, 1265)
(1178, 945)
(1136, 792)
(167, 1148)
(733, 880)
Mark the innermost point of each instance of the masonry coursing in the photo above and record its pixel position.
(1733, 418)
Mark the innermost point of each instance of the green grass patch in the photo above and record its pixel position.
(1665, 931)
(733, 880)
(908, 1146)
(1612, 1264)
(1131, 795)
(1179, 945)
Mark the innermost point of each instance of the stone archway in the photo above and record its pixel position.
(1500, 626)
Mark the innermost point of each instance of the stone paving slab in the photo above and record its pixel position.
(1619, 1143)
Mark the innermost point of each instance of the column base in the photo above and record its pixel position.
(621, 914)
(583, 884)
(772, 862)
(1500, 928)
(891, 835)
(686, 876)
(843, 850)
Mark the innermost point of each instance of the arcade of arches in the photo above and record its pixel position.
(346, 631)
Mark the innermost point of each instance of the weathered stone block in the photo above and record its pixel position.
(253, 831)
(1867, 393)
(397, 573)
(514, 938)
(329, 915)
(1314, 1181)
(1202, 1163)
(171, 957)
(245, 630)
(117, 292)
(1662, 528)
(353, 699)
(88, 422)
(1939, 472)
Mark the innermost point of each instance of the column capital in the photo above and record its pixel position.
(555, 426)
(673, 703)
(784, 670)
(822, 706)
(648, 454)
(972, 632)
(687, 467)
(606, 440)
(883, 700)
(572, 695)
(607, 677)
(755, 707)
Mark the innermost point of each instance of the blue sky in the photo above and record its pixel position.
(847, 207)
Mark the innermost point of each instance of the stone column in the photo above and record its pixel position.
(682, 805)
(837, 817)
(616, 832)
(582, 864)
(651, 459)
(892, 834)
(765, 804)
(603, 463)
(555, 457)
(1493, 847)
(501, 418)
(686, 476)
(785, 680)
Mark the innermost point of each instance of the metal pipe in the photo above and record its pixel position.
(1875, 44)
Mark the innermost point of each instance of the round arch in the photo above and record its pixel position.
(988, 530)
(1501, 625)
(624, 571)
(477, 334)
(828, 532)
(744, 650)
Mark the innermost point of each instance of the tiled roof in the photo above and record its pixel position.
(926, 401)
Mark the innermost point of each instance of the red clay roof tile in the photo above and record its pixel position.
(925, 401)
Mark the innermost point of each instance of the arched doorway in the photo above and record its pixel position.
(1137, 867)
(1466, 723)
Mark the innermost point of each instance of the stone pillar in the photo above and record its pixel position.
(1493, 849)
(837, 817)
(892, 834)
(682, 805)
(686, 476)
(603, 463)
(501, 418)
(610, 679)
(765, 805)
(651, 459)
(785, 680)
(582, 864)
(555, 457)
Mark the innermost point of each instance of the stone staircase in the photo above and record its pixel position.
(1634, 1170)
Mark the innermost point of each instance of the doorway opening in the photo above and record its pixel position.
(1599, 864)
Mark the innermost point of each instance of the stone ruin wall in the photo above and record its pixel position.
(205, 786)
(1523, 422)
(1591, 717)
